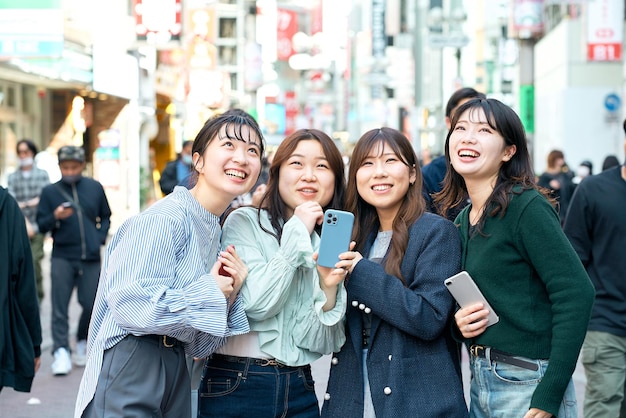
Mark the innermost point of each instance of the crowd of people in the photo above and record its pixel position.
(228, 290)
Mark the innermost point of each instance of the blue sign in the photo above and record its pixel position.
(612, 102)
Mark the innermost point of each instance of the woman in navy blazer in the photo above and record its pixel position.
(399, 358)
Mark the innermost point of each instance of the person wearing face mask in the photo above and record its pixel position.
(76, 212)
(178, 171)
(25, 185)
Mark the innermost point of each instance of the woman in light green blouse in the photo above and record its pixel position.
(295, 307)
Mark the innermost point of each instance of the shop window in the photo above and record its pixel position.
(227, 55)
(228, 27)
(10, 96)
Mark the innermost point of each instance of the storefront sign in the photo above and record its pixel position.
(30, 29)
(605, 30)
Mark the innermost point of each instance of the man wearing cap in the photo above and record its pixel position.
(76, 212)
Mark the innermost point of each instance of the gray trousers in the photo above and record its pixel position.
(141, 377)
(65, 275)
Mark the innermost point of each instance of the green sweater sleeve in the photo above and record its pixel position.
(570, 294)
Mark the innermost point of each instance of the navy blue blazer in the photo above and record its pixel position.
(413, 363)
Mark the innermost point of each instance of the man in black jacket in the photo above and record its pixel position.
(178, 171)
(596, 226)
(76, 212)
(20, 341)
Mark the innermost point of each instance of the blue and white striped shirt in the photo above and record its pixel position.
(155, 280)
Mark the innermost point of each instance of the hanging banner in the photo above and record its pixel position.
(605, 30)
(287, 26)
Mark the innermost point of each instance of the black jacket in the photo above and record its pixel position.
(80, 236)
(20, 327)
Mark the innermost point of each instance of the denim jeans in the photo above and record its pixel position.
(604, 358)
(500, 390)
(230, 389)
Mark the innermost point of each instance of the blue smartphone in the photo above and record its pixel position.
(336, 235)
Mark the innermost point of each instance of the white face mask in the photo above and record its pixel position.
(25, 162)
(582, 171)
(187, 159)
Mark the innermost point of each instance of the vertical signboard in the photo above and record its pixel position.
(605, 30)
(266, 24)
(527, 107)
(287, 26)
(379, 43)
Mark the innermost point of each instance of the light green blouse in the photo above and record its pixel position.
(282, 295)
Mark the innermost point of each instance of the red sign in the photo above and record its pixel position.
(604, 52)
(157, 21)
(291, 111)
(287, 26)
(605, 30)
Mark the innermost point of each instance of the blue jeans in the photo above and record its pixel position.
(501, 390)
(243, 389)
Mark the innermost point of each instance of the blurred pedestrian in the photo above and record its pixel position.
(76, 212)
(25, 185)
(178, 172)
(584, 169)
(295, 307)
(596, 227)
(516, 252)
(20, 339)
(161, 293)
(399, 358)
(558, 180)
(609, 162)
(434, 172)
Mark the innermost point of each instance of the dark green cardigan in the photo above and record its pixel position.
(533, 279)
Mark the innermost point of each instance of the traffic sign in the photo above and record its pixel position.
(612, 102)
(438, 40)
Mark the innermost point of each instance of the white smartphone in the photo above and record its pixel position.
(464, 290)
(336, 235)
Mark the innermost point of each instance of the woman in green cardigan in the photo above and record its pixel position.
(517, 254)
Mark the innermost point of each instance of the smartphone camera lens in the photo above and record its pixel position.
(328, 221)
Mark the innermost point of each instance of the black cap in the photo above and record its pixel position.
(71, 153)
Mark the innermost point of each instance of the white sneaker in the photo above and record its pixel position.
(80, 356)
(62, 363)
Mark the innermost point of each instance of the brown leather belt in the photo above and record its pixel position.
(497, 355)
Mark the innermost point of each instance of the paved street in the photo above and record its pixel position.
(54, 396)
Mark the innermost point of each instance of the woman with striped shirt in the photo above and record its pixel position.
(161, 295)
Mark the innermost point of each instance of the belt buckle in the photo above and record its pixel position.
(165, 343)
(477, 350)
(270, 362)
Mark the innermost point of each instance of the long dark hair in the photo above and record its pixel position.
(366, 217)
(515, 172)
(274, 204)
